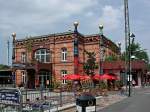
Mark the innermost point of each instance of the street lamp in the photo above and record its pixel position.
(101, 46)
(14, 38)
(131, 36)
(13, 58)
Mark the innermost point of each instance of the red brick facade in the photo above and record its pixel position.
(54, 44)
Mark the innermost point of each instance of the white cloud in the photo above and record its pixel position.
(36, 15)
(111, 17)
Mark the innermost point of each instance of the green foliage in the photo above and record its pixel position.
(137, 51)
(2, 67)
(90, 65)
(103, 85)
(118, 84)
(111, 58)
(57, 85)
(28, 44)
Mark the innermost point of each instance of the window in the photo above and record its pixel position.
(23, 78)
(64, 54)
(63, 73)
(23, 57)
(42, 55)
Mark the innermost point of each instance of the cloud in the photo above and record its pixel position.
(111, 17)
(37, 17)
(40, 17)
(25, 15)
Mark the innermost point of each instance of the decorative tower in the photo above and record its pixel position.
(76, 51)
(101, 48)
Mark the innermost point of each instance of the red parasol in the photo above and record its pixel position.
(84, 77)
(71, 77)
(106, 76)
(75, 77)
(114, 78)
(109, 77)
(97, 77)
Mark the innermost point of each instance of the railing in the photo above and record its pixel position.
(36, 100)
(51, 99)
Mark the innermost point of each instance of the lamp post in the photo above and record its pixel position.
(101, 48)
(129, 59)
(13, 58)
(14, 38)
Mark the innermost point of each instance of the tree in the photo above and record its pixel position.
(111, 58)
(28, 45)
(136, 51)
(2, 67)
(90, 65)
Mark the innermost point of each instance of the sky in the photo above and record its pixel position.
(41, 17)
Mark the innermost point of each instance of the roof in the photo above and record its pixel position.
(45, 36)
(6, 70)
(137, 64)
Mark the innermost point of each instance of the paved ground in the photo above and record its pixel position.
(103, 101)
(139, 102)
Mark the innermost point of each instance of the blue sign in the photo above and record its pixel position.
(9, 96)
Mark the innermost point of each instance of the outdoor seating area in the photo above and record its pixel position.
(96, 85)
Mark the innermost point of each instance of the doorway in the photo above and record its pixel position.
(45, 79)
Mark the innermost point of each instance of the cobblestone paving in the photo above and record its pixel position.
(102, 102)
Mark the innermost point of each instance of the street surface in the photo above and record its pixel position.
(139, 102)
(103, 102)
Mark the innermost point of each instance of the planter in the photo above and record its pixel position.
(57, 90)
(105, 92)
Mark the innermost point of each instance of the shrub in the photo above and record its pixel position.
(103, 85)
(119, 84)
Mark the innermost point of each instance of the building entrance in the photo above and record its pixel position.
(45, 79)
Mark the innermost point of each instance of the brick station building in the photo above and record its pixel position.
(45, 59)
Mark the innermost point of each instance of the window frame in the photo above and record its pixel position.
(41, 56)
(23, 57)
(64, 73)
(64, 54)
(23, 77)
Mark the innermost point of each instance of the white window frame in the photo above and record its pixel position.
(23, 57)
(63, 54)
(64, 73)
(23, 77)
(45, 54)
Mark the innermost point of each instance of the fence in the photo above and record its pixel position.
(33, 100)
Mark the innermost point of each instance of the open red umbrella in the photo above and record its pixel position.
(71, 77)
(106, 76)
(114, 78)
(76, 77)
(97, 77)
(84, 77)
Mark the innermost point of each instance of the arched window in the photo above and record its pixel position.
(42, 55)
(63, 54)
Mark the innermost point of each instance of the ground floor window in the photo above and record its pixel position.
(63, 73)
(23, 77)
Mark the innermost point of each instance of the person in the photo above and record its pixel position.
(122, 90)
(133, 82)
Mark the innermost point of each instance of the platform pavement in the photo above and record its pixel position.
(118, 95)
